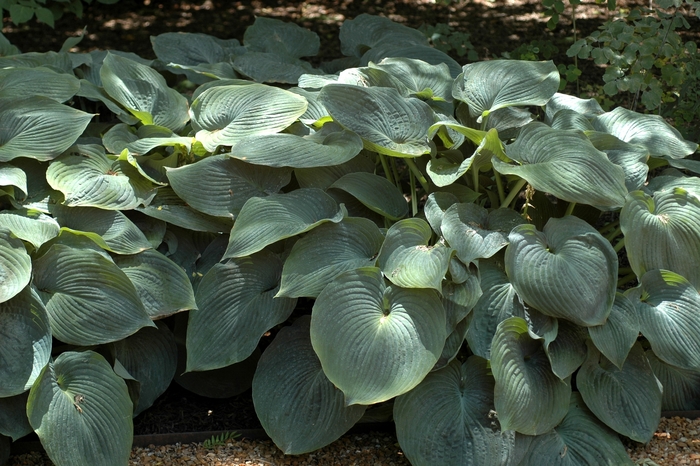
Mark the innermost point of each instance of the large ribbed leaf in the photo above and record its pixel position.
(376, 341)
(565, 164)
(39, 81)
(87, 178)
(628, 400)
(297, 405)
(31, 226)
(224, 115)
(489, 85)
(331, 145)
(632, 158)
(667, 306)
(110, 229)
(268, 67)
(217, 383)
(435, 207)
(568, 350)
(407, 259)
(150, 357)
(15, 177)
(25, 342)
(681, 386)
(374, 192)
(140, 141)
(144, 92)
(266, 220)
(617, 335)
(276, 36)
(420, 78)
(460, 298)
(446, 419)
(663, 232)
(529, 398)
(649, 131)
(580, 440)
(162, 285)
(168, 207)
(15, 265)
(327, 251)
(88, 299)
(386, 122)
(475, 233)
(81, 411)
(38, 127)
(366, 31)
(13, 417)
(568, 270)
(220, 185)
(498, 302)
(236, 305)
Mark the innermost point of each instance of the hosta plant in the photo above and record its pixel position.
(511, 272)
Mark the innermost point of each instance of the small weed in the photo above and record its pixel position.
(219, 440)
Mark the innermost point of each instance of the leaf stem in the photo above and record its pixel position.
(570, 209)
(614, 234)
(387, 170)
(395, 171)
(475, 179)
(609, 227)
(620, 244)
(513, 192)
(419, 176)
(499, 186)
(414, 196)
(626, 279)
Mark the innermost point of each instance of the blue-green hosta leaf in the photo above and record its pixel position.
(453, 344)
(632, 158)
(150, 356)
(162, 285)
(269, 67)
(140, 141)
(435, 207)
(40, 81)
(87, 178)
(6, 48)
(298, 406)
(426, 53)
(667, 307)
(568, 350)
(323, 177)
(681, 386)
(58, 60)
(15, 265)
(88, 299)
(420, 78)
(168, 207)
(92, 92)
(217, 383)
(315, 111)
(366, 31)
(280, 37)
(224, 115)
(38, 127)
(327, 251)
(372, 77)
(30, 225)
(565, 164)
(569, 119)
(580, 440)
(374, 192)
(498, 302)
(618, 334)
(25, 342)
(627, 400)
(13, 176)
(460, 298)
(386, 122)
(529, 397)
(670, 221)
(586, 107)
(13, 416)
(143, 92)
(475, 233)
(407, 259)
(236, 305)
(446, 419)
(332, 145)
(489, 85)
(110, 229)
(220, 185)
(78, 402)
(376, 341)
(266, 220)
(567, 271)
(649, 131)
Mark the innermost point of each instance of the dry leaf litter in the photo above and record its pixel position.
(676, 442)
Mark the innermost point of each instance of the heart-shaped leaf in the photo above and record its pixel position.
(628, 400)
(618, 334)
(671, 222)
(236, 305)
(39, 81)
(30, 225)
(15, 265)
(681, 387)
(168, 207)
(374, 192)
(88, 299)
(266, 220)
(565, 164)
(327, 251)
(435, 207)
(38, 127)
(529, 398)
(275, 36)
(224, 115)
(386, 122)
(407, 259)
(297, 405)
(568, 350)
(366, 31)
(269, 67)
(13, 417)
(25, 342)
(446, 419)
(632, 158)
(79, 402)
(376, 341)
(420, 78)
(568, 270)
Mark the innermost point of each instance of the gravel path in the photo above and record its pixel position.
(676, 442)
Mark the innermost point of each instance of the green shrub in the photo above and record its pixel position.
(457, 229)
(45, 11)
